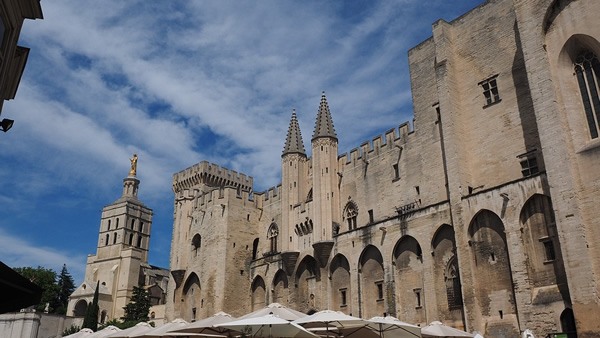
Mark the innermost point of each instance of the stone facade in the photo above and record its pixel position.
(121, 259)
(482, 215)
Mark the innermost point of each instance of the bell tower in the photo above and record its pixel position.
(122, 250)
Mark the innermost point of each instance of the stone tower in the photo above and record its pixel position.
(325, 175)
(294, 166)
(123, 243)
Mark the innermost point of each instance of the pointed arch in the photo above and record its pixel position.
(272, 235)
(407, 257)
(373, 291)
(350, 214)
(259, 293)
(489, 251)
(307, 280)
(280, 287)
(341, 290)
(448, 295)
(190, 282)
(255, 248)
(567, 322)
(196, 244)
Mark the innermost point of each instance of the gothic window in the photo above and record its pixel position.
(130, 239)
(107, 238)
(139, 241)
(272, 236)
(108, 225)
(115, 238)
(117, 224)
(490, 91)
(350, 213)
(141, 227)
(132, 223)
(196, 243)
(453, 287)
(587, 70)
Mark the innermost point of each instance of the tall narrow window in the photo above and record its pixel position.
(108, 225)
(115, 238)
(587, 70)
(139, 241)
(490, 90)
(351, 212)
(343, 299)
(379, 286)
(130, 239)
(132, 223)
(107, 238)
(272, 235)
(371, 217)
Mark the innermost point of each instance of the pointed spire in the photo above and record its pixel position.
(324, 123)
(293, 142)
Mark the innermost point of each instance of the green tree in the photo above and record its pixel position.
(139, 306)
(45, 279)
(91, 314)
(66, 286)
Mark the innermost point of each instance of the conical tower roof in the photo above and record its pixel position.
(293, 142)
(324, 123)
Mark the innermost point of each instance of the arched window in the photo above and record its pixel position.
(587, 70)
(132, 224)
(196, 243)
(108, 225)
(107, 238)
(139, 241)
(350, 213)
(272, 236)
(141, 227)
(255, 248)
(117, 224)
(130, 239)
(115, 238)
(103, 316)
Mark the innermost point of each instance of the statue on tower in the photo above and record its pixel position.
(133, 160)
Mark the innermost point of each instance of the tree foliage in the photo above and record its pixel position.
(91, 314)
(139, 306)
(66, 286)
(45, 279)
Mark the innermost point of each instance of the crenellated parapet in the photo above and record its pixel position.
(211, 175)
(373, 147)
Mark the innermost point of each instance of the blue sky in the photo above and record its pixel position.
(178, 82)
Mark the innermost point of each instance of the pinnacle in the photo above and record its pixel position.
(293, 142)
(324, 124)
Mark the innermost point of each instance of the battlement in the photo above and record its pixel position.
(211, 175)
(222, 196)
(372, 147)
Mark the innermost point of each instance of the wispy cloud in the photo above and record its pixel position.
(180, 82)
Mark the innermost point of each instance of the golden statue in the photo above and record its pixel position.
(133, 160)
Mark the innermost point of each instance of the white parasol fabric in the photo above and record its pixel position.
(527, 334)
(207, 326)
(85, 332)
(163, 329)
(332, 322)
(388, 327)
(105, 332)
(276, 309)
(133, 331)
(437, 329)
(268, 326)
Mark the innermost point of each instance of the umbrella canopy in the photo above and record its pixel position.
(82, 333)
(163, 329)
(393, 327)
(105, 332)
(268, 326)
(207, 326)
(278, 310)
(437, 329)
(332, 322)
(139, 328)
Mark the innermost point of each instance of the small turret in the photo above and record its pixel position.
(324, 123)
(293, 142)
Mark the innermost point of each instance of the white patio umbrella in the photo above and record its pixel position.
(389, 326)
(162, 330)
(437, 329)
(207, 326)
(104, 332)
(276, 309)
(332, 322)
(85, 332)
(268, 326)
(132, 331)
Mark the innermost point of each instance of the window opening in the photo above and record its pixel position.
(108, 225)
(379, 286)
(371, 217)
(490, 90)
(139, 242)
(418, 297)
(529, 166)
(343, 297)
(548, 249)
(272, 236)
(396, 171)
(587, 70)
(351, 212)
